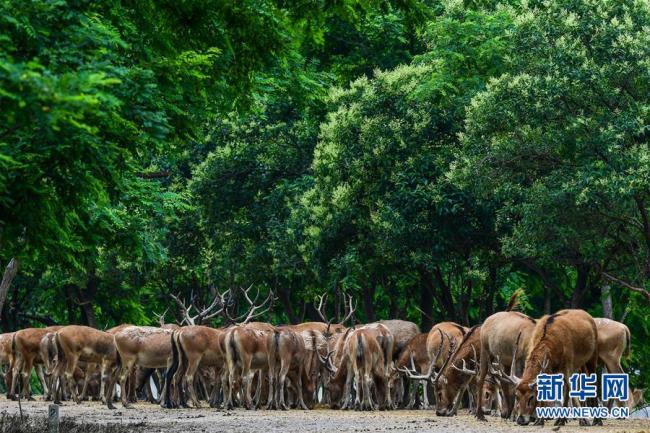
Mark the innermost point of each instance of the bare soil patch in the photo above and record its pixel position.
(152, 418)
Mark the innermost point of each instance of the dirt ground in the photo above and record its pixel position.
(156, 419)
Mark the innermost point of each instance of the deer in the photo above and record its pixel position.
(426, 372)
(26, 354)
(564, 342)
(364, 355)
(47, 353)
(287, 354)
(454, 378)
(402, 331)
(195, 346)
(6, 358)
(77, 343)
(501, 334)
(613, 344)
(246, 349)
(416, 356)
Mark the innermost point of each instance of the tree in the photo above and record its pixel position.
(382, 213)
(561, 142)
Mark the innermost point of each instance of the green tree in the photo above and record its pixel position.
(561, 143)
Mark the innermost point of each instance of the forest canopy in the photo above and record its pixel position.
(426, 157)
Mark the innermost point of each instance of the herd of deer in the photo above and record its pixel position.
(380, 365)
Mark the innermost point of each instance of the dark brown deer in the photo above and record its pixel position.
(564, 342)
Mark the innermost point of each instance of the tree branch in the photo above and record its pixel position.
(641, 290)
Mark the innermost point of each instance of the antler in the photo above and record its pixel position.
(464, 368)
(161, 317)
(327, 361)
(204, 314)
(350, 310)
(320, 308)
(430, 374)
(253, 309)
(497, 370)
(348, 305)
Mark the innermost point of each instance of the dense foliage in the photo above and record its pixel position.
(427, 157)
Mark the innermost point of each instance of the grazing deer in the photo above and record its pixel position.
(47, 353)
(613, 343)
(26, 352)
(462, 370)
(6, 358)
(366, 358)
(402, 331)
(564, 342)
(501, 335)
(76, 343)
(287, 353)
(196, 346)
(143, 346)
(454, 379)
(427, 373)
(416, 356)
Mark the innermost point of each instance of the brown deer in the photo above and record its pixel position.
(6, 358)
(502, 334)
(402, 331)
(416, 357)
(564, 342)
(453, 378)
(287, 354)
(26, 352)
(613, 343)
(146, 347)
(76, 343)
(195, 346)
(366, 358)
(462, 370)
(427, 373)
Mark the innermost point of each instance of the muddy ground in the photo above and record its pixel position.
(155, 419)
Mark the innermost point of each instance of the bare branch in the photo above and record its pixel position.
(641, 290)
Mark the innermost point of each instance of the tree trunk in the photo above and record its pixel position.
(581, 285)
(426, 305)
(445, 295)
(7, 278)
(368, 301)
(606, 297)
(486, 307)
(86, 299)
(285, 298)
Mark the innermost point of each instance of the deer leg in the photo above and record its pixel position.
(481, 380)
(42, 380)
(190, 373)
(25, 375)
(109, 376)
(282, 377)
(127, 366)
(71, 366)
(15, 375)
(347, 390)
